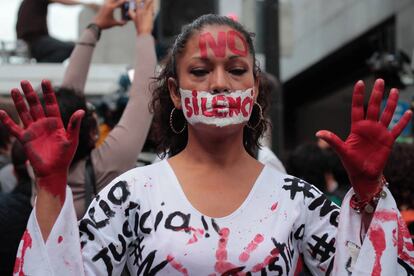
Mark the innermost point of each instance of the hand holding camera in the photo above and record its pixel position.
(142, 15)
(105, 18)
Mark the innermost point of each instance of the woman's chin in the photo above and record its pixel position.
(218, 129)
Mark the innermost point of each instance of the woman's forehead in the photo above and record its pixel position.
(217, 41)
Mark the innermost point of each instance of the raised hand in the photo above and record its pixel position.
(48, 146)
(366, 150)
(105, 17)
(143, 16)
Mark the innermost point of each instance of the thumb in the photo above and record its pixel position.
(73, 128)
(334, 141)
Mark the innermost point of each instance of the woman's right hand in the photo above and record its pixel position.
(48, 145)
(143, 16)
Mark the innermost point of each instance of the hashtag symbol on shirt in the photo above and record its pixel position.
(298, 186)
(322, 248)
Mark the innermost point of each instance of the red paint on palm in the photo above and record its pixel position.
(48, 145)
(365, 152)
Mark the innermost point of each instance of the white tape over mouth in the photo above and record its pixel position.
(221, 109)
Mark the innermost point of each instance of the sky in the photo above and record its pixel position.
(62, 20)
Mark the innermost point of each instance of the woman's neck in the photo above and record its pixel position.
(215, 148)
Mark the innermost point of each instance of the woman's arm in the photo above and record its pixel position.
(121, 147)
(48, 145)
(80, 59)
(371, 236)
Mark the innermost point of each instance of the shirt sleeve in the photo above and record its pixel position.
(385, 249)
(79, 63)
(98, 245)
(317, 226)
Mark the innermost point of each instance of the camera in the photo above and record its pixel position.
(125, 8)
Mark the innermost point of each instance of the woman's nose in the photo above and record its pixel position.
(219, 81)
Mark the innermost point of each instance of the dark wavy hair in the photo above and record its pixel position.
(69, 101)
(166, 140)
(400, 174)
(5, 137)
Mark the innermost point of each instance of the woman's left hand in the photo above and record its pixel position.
(366, 150)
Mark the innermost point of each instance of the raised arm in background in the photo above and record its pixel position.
(120, 150)
(80, 59)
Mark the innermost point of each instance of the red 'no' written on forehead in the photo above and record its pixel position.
(223, 41)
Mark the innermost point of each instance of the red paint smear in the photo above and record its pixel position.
(377, 237)
(178, 266)
(221, 253)
(403, 246)
(60, 239)
(386, 215)
(273, 254)
(274, 206)
(394, 237)
(197, 232)
(218, 48)
(222, 265)
(244, 256)
(27, 243)
(299, 266)
(403, 234)
(231, 40)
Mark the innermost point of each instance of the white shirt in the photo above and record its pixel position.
(143, 219)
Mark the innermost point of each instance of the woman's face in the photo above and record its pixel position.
(216, 61)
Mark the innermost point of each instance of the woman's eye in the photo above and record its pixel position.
(199, 72)
(238, 71)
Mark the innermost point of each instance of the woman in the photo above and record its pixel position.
(212, 209)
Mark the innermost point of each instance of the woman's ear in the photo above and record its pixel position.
(174, 92)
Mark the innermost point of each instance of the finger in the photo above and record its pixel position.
(334, 141)
(13, 128)
(119, 3)
(149, 5)
(132, 14)
(74, 125)
(119, 22)
(402, 123)
(51, 104)
(36, 109)
(390, 107)
(357, 110)
(374, 105)
(21, 107)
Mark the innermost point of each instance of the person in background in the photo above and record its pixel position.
(92, 168)
(15, 209)
(399, 171)
(7, 179)
(5, 146)
(270, 87)
(32, 28)
(309, 162)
